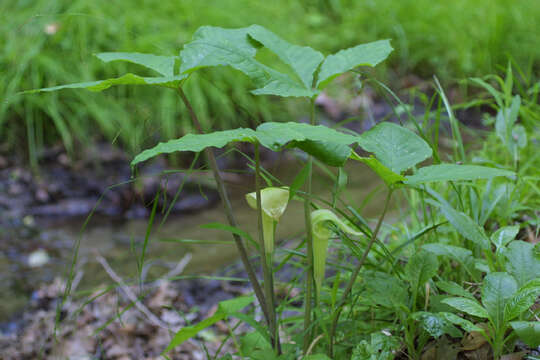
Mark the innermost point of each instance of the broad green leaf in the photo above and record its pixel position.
(522, 263)
(453, 172)
(497, 290)
(460, 254)
(162, 64)
(302, 59)
(225, 308)
(422, 266)
(369, 54)
(436, 325)
(452, 288)
(504, 235)
(229, 307)
(464, 225)
(333, 154)
(127, 79)
(528, 332)
(197, 142)
(381, 347)
(469, 306)
(465, 324)
(385, 290)
(274, 135)
(254, 341)
(215, 46)
(394, 146)
(271, 135)
(524, 298)
(388, 176)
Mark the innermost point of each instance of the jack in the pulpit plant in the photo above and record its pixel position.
(274, 201)
(320, 221)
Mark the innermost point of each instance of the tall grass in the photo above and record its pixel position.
(52, 42)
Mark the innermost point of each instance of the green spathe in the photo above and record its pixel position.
(321, 235)
(274, 201)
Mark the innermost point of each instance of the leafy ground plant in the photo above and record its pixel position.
(394, 152)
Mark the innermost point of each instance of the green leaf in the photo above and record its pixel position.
(271, 135)
(521, 301)
(215, 46)
(504, 235)
(420, 269)
(452, 288)
(229, 307)
(464, 224)
(385, 290)
(197, 142)
(469, 306)
(497, 290)
(394, 146)
(457, 253)
(528, 332)
(188, 332)
(388, 176)
(465, 324)
(381, 347)
(504, 124)
(274, 135)
(254, 341)
(522, 263)
(225, 308)
(161, 64)
(127, 79)
(302, 59)
(333, 154)
(436, 325)
(369, 54)
(453, 172)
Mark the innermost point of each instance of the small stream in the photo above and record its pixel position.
(113, 240)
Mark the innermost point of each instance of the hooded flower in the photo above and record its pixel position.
(320, 219)
(274, 201)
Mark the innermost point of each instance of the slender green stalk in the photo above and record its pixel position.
(309, 246)
(355, 273)
(228, 209)
(266, 258)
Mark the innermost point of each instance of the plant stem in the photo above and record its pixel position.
(355, 273)
(228, 209)
(309, 245)
(266, 258)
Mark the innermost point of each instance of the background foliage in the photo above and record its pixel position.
(46, 43)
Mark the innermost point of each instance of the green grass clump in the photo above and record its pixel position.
(51, 42)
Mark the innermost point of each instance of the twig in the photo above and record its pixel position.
(179, 268)
(130, 294)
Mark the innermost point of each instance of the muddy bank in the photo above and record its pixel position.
(61, 189)
(113, 326)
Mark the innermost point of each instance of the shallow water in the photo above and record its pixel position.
(114, 240)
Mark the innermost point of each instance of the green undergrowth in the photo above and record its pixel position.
(457, 257)
(45, 43)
